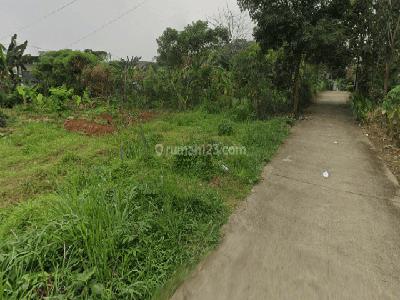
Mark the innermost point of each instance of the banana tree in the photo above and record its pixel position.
(3, 68)
(12, 61)
(2, 57)
(15, 59)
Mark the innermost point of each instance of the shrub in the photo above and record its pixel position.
(392, 98)
(361, 106)
(3, 120)
(254, 74)
(393, 123)
(270, 101)
(98, 80)
(225, 128)
(3, 99)
(63, 67)
(195, 161)
(218, 105)
(200, 83)
(391, 113)
(26, 93)
(242, 111)
(306, 94)
(56, 101)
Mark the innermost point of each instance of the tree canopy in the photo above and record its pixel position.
(175, 47)
(307, 30)
(56, 68)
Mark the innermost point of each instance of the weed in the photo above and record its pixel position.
(3, 119)
(225, 128)
(109, 228)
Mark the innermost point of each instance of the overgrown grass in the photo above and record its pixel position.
(117, 220)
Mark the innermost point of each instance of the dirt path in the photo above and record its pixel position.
(301, 236)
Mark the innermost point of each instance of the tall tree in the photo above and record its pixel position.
(388, 14)
(302, 28)
(375, 43)
(175, 47)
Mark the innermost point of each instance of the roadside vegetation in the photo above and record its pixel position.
(124, 219)
(375, 45)
(102, 195)
(375, 71)
(90, 209)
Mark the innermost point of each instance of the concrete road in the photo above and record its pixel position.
(302, 236)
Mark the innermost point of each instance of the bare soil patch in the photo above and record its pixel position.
(147, 116)
(216, 182)
(88, 127)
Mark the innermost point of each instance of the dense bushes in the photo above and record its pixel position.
(187, 87)
(217, 87)
(98, 80)
(392, 99)
(361, 106)
(8, 100)
(64, 67)
(254, 74)
(391, 113)
(206, 70)
(58, 99)
(386, 113)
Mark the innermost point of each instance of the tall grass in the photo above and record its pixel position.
(108, 235)
(122, 228)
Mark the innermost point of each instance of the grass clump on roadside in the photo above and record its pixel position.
(120, 225)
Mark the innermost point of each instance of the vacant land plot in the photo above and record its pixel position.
(119, 215)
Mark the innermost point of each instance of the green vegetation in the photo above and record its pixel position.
(386, 113)
(305, 31)
(375, 44)
(175, 47)
(225, 128)
(64, 67)
(111, 219)
(171, 148)
(196, 67)
(12, 63)
(3, 120)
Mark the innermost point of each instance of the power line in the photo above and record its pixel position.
(31, 46)
(41, 19)
(110, 22)
(38, 48)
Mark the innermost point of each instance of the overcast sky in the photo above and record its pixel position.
(133, 35)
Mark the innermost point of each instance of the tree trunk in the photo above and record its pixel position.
(387, 77)
(357, 74)
(296, 87)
